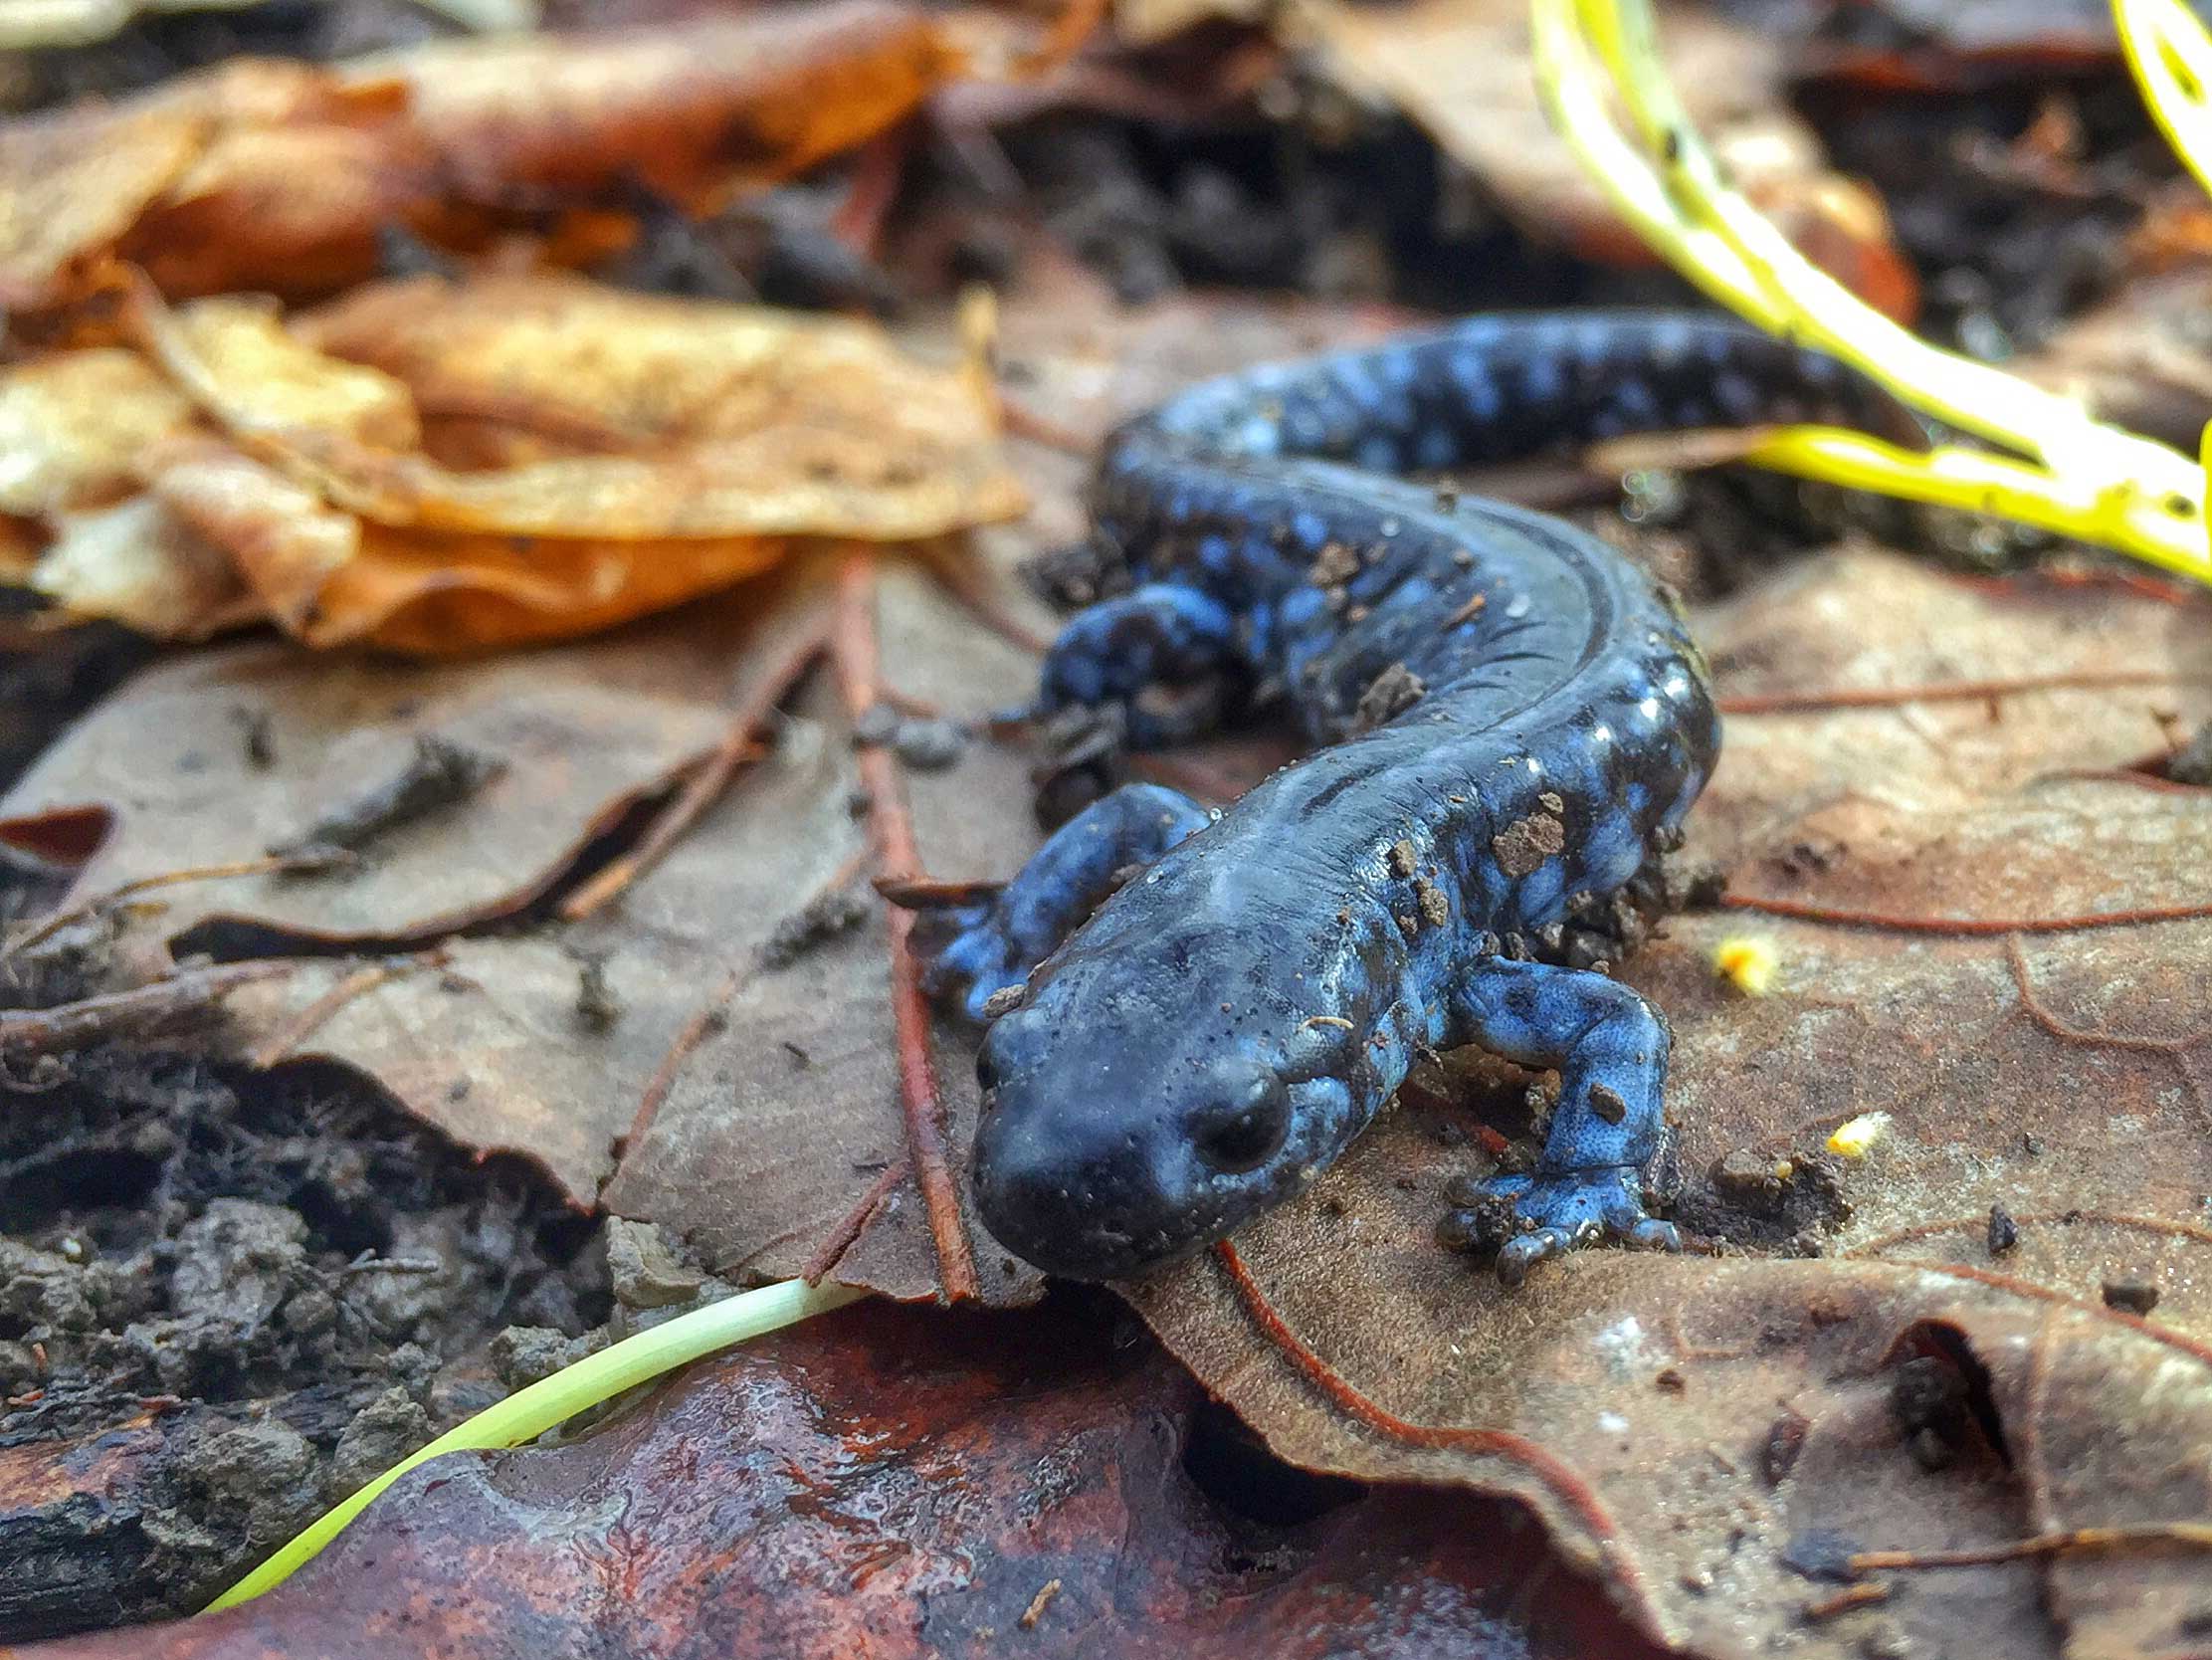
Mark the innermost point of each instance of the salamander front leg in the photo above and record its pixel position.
(975, 951)
(1610, 1047)
(1162, 653)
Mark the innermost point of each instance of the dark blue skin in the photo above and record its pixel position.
(1197, 1012)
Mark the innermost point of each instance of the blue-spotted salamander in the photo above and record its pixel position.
(1191, 1013)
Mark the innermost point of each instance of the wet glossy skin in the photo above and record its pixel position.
(1513, 722)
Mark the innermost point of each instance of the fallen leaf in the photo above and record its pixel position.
(138, 565)
(73, 425)
(2140, 360)
(649, 450)
(2061, 1075)
(753, 422)
(1463, 70)
(768, 1131)
(900, 1484)
(265, 175)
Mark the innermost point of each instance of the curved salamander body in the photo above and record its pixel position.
(1196, 1012)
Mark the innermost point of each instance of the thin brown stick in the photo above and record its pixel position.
(311, 1019)
(2197, 1536)
(840, 1238)
(852, 649)
(703, 788)
(270, 865)
(958, 575)
(1943, 691)
(1962, 926)
(184, 995)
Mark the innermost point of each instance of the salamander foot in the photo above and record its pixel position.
(1549, 1213)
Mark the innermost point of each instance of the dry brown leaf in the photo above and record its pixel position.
(1463, 70)
(738, 421)
(773, 1126)
(279, 176)
(239, 361)
(139, 565)
(73, 427)
(656, 450)
(332, 579)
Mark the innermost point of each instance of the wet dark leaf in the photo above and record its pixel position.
(895, 1485)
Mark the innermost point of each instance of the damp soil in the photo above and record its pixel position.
(268, 1288)
(239, 1295)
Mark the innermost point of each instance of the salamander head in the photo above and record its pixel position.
(1146, 1101)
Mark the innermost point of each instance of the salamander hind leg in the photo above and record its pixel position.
(1162, 654)
(1610, 1047)
(974, 950)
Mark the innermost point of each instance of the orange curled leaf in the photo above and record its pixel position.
(282, 176)
(598, 455)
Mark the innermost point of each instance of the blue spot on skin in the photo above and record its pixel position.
(1309, 529)
(1542, 380)
(1357, 381)
(1260, 436)
(1434, 448)
(1634, 405)
(1379, 453)
(1737, 394)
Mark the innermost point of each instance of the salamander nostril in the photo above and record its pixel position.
(1240, 1128)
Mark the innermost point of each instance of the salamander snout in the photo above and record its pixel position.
(1094, 1166)
(1241, 1119)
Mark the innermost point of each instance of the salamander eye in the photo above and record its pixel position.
(1243, 1123)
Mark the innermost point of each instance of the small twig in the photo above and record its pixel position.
(1843, 1601)
(2178, 1050)
(704, 1022)
(960, 577)
(704, 786)
(186, 994)
(310, 1020)
(2197, 1536)
(840, 1238)
(852, 649)
(1963, 690)
(1025, 422)
(269, 865)
(1962, 926)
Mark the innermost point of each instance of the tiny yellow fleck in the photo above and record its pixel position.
(1745, 963)
(1856, 1137)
